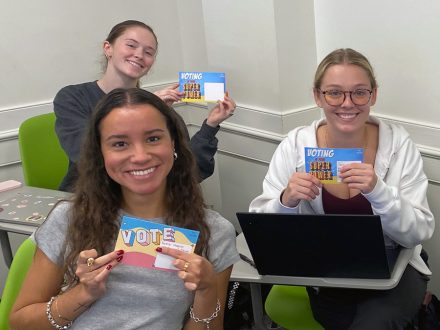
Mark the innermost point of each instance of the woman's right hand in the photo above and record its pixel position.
(92, 272)
(301, 186)
(196, 272)
(170, 94)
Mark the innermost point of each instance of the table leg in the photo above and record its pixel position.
(257, 306)
(6, 248)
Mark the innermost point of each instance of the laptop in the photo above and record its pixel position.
(28, 205)
(320, 245)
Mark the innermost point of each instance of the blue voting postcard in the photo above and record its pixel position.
(202, 86)
(325, 163)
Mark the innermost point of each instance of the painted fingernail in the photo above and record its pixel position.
(118, 259)
(159, 249)
(109, 267)
(120, 252)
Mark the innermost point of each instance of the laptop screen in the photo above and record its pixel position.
(325, 245)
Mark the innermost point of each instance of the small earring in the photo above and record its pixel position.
(175, 155)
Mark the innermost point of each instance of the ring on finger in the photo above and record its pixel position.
(185, 266)
(90, 262)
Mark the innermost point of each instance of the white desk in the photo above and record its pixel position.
(4, 238)
(6, 227)
(244, 272)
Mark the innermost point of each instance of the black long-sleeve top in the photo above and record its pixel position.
(73, 106)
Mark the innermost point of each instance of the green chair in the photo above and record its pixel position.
(289, 307)
(43, 160)
(17, 272)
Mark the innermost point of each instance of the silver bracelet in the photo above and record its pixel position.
(208, 319)
(232, 294)
(51, 319)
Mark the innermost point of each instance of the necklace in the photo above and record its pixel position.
(365, 137)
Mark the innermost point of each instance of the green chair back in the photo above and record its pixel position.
(289, 307)
(43, 160)
(17, 272)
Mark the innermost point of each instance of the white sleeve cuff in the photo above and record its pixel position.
(382, 197)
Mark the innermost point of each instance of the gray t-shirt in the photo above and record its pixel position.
(136, 297)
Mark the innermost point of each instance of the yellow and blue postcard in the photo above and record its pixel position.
(202, 87)
(325, 163)
(139, 239)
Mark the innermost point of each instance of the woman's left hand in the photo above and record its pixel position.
(223, 110)
(359, 176)
(196, 272)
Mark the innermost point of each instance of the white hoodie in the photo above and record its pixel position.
(399, 196)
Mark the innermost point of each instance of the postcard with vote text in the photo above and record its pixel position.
(139, 239)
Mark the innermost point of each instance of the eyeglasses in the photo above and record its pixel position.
(336, 97)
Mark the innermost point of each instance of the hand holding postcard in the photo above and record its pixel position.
(139, 239)
(202, 86)
(325, 163)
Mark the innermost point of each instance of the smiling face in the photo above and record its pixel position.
(347, 117)
(133, 53)
(137, 149)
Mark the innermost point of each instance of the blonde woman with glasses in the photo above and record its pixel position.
(389, 182)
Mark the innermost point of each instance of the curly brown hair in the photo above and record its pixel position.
(94, 220)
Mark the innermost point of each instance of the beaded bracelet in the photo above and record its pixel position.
(232, 293)
(51, 319)
(208, 319)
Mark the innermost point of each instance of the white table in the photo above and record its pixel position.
(4, 238)
(244, 272)
(27, 229)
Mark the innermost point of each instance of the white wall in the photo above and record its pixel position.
(399, 39)
(48, 44)
(268, 49)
